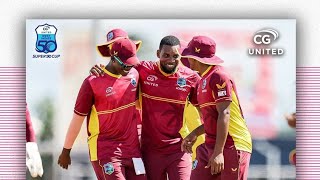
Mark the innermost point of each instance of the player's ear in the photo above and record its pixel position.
(158, 53)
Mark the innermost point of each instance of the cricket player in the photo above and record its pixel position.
(227, 149)
(109, 103)
(166, 86)
(34, 162)
(104, 50)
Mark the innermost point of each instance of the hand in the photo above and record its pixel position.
(64, 159)
(188, 142)
(97, 70)
(33, 161)
(216, 162)
(291, 119)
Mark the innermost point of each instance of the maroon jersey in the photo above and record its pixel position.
(217, 86)
(109, 104)
(164, 97)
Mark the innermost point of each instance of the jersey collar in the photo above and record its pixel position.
(206, 71)
(210, 69)
(111, 74)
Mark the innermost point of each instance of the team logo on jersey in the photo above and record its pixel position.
(110, 36)
(46, 38)
(221, 86)
(194, 164)
(152, 78)
(133, 82)
(181, 82)
(108, 168)
(204, 83)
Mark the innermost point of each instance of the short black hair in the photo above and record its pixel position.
(170, 41)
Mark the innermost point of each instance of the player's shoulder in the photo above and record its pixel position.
(91, 78)
(148, 64)
(220, 72)
(133, 72)
(191, 74)
(219, 75)
(185, 70)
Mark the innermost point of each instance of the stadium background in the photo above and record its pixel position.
(266, 85)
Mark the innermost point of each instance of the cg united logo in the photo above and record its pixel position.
(263, 39)
(46, 41)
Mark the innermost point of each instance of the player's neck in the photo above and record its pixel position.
(111, 69)
(203, 68)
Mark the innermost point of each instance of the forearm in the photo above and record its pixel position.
(222, 131)
(73, 131)
(198, 131)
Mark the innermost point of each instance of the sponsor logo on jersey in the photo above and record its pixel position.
(221, 86)
(152, 78)
(109, 91)
(222, 93)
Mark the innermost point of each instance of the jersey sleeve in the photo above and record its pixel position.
(30, 135)
(85, 99)
(221, 86)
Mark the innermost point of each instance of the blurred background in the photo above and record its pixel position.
(266, 84)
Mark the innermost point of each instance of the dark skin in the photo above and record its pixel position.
(216, 161)
(115, 68)
(291, 119)
(169, 58)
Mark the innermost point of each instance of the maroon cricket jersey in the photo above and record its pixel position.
(217, 86)
(109, 104)
(164, 98)
(30, 135)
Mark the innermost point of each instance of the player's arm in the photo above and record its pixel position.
(216, 161)
(83, 105)
(223, 109)
(188, 141)
(73, 131)
(222, 91)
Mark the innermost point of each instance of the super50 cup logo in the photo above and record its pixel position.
(46, 41)
(263, 40)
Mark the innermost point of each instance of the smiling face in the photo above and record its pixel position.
(169, 58)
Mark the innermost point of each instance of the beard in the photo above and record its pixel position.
(168, 71)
